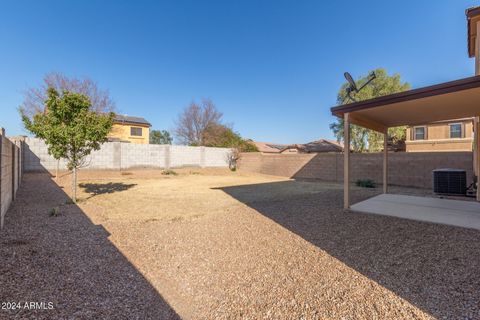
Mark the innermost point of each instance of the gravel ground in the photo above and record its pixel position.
(211, 244)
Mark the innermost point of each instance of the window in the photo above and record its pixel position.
(135, 131)
(419, 133)
(456, 130)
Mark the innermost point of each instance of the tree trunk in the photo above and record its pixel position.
(74, 185)
(56, 170)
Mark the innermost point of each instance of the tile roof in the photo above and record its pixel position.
(268, 147)
(321, 145)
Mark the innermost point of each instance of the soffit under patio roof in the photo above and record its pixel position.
(445, 101)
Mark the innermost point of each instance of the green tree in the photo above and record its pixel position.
(160, 137)
(221, 136)
(363, 139)
(70, 130)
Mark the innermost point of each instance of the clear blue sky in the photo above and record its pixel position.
(272, 67)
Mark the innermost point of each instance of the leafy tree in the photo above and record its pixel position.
(363, 139)
(69, 128)
(221, 136)
(396, 136)
(160, 137)
(194, 120)
(218, 135)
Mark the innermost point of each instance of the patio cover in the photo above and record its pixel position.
(445, 101)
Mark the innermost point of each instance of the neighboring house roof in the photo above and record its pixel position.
(318, 146)
(321, 145)
(267, 147)
(128, 119)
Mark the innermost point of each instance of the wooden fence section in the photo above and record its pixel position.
(11, 171)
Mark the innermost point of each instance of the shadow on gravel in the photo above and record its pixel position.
(69, 262)
(103, 188)
(433, 267)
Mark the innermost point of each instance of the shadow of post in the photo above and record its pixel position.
(433, 267)
(69, 262)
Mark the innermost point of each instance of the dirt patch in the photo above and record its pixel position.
(215, 244)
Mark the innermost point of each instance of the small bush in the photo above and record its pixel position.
(169, 172)
(366, 183)
(126, 173)
(54, 212)
(69, 201)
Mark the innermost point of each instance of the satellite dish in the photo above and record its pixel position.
(353, 85)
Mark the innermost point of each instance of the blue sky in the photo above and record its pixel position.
(272, 67)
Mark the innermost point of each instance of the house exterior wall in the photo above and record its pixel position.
(121, 131)
(438, 138)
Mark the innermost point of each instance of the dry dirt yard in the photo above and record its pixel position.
(210, 244)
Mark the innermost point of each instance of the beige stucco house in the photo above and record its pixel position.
(130, 129)
(451, 135)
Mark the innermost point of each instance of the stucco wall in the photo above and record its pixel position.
(405, 169)
(444, 145)
(438, 138)
(118, 155)
(122, 132)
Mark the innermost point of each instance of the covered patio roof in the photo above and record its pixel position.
(445, 101)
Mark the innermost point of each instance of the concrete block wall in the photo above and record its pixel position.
(185, 156)
(10, 172)
(216, 157)
(142, 155)
(405, 169)
(117, 155)
(36, 157)
(105, 157)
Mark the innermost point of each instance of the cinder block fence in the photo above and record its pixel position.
(10, 171)
(409, 169)
(118, 155)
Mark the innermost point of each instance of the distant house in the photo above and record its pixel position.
(130, 129)
(451, 135)
(266, 147)
(318, 146)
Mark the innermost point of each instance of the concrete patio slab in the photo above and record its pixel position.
(444, 211)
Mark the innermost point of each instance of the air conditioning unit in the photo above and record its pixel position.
(450, 181)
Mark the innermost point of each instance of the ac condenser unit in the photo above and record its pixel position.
(450, 181)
